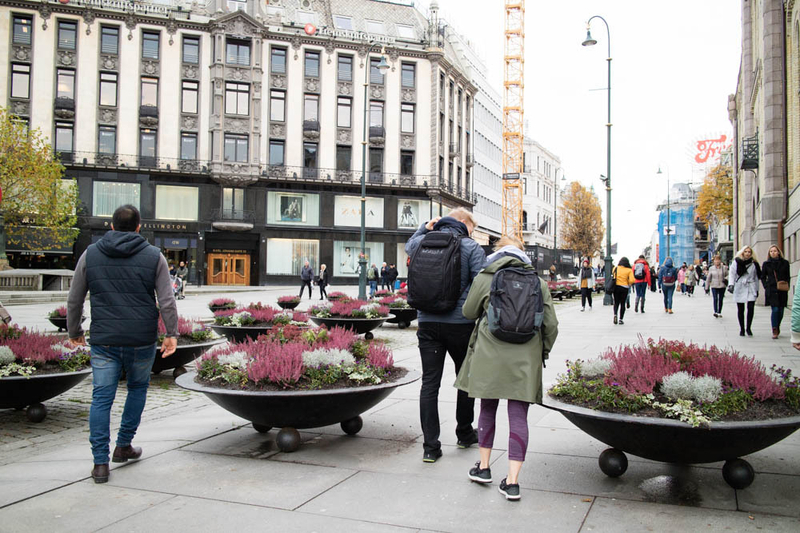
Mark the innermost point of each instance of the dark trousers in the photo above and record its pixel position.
(305, 283)
(719, 296)
(322, 293)
(620, 298)
(436, 340)
(586, 294)
(385, 283)
(751, 306)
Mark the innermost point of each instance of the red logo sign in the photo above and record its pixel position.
(310, 29)
(710, 149)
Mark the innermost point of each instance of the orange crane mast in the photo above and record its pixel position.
(514, 85)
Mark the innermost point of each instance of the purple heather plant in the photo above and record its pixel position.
(59, 312)
(288, 299)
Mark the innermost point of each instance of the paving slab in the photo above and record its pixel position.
(444, 505)
(773, 494)
(19, 489)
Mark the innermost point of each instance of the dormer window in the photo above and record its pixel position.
(342, 22)
(406, 32)
(305, 17)
(237, 5)
(374, 26)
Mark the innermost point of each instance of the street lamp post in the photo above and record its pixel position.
(557, 189)
(383, 66)
(668, 224)
(608, 298)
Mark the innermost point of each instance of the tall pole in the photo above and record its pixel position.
(669, 220)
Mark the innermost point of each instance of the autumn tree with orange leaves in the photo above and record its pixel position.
(581, 220)
(715, 198)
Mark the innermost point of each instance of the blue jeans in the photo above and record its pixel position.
(373, 286)
(641, 290)
(108, 362)
(719, 296)
(777, 316)
(669, 291)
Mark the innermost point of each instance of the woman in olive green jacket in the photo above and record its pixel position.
(494, 369)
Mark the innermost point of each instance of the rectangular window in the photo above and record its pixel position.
(344, 112)
(407, 118)
(311, 107)
(347, 212)
(407, 163)
(375, 114)
(233, 203)
(176, 203)
(292, 208)
(375, 74)
(64, 136)
(23, 29)
(342, 22)
(147, 143)
(409, 75)
(277, 106)
(236, 148)
(237, 5)
(67, 35)
(375, 26)
(150, 45)
(375, 163)
(312, 64)
(237, 52)
(109, 40)
(188, 146)
(276, 153)
(191, 50)
(343, 157)
(310, 158)
(237, 98)
(406, 32)
(287, 256)
(20, 81)
(107, 140)
(345, 68)
(149, 91)
(65, 83)
(278, 61)
(108, 89)
(109, 195)
(189, 97)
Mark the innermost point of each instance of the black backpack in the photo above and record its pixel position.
(434, 273)
(516, 308)
(639, 271)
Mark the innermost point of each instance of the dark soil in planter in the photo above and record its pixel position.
(396, 374)
(51, 368)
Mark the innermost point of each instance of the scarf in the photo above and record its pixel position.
(586, 273)
(743, 264)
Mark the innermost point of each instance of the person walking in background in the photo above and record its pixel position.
(641, 275)
(588, 279)
(775, 278)
(323, 280)
(682, 279)
(495, 369)
(796, 316)
(122, 274)
(623, 275)
(743, 283)
(392, 276)
(183, 273)
(690, 280)
(653, 279)
(716, 281)
(372, 277)
(306, 275)
(667, 277)
(385, 276)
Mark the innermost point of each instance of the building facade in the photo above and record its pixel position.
(238, 127)
(677, 225)
(541, 173)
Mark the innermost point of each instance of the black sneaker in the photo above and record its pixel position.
(480, 475)
(431, 456)
(511, 492)
(469, 441)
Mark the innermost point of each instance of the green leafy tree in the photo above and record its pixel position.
(715, 198)
(581, 220)
(35, 194)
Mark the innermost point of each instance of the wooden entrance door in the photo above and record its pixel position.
(228, 269)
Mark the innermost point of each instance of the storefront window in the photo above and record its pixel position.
(345, 256)
(402, 259)
(176, 203)
(292, 208)
(109, 195)
(348, 212)
(411, 213)
(287, 256)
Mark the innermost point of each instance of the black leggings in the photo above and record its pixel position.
(620, 298)
(750, 308)
(586, 294)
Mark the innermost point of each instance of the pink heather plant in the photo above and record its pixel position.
(288, 299)
(636, 370)
(739, 372)
(186, 326)
(275, 362)
(34, 348)
(378, 354)
(220, 302)
(340, 339)
(59, 312)
(335, 295)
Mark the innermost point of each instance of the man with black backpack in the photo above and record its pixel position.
(443, 262)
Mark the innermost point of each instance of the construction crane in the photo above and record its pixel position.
(514, 85)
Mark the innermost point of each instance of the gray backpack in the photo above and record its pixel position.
(516, 308)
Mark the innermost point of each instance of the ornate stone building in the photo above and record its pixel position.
(237, 126)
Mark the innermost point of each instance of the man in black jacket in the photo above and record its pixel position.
(306, 275)
(122, 274)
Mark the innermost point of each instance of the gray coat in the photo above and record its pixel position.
(745, 288)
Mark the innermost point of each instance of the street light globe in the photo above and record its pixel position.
(589, 41)
(383, 65)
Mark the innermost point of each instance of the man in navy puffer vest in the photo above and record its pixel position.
(122, 274)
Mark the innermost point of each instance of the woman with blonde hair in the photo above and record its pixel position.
(495, 369)
(775, 278)
(323, 280)
(743, 283)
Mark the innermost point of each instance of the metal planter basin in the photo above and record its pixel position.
(402, 317)
(356, 325)
(183, 356)
(673, 441)
(241, 334)
(17, 392)
(288, 305)
(61, 323)
(292, 410)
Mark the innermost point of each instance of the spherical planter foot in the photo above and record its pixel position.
(353, 425)
(613, 462)
(368, 335)
(36, 412)
(288, 440)
(261, 428)
(402, 325)
(738, 473)
(179, 371)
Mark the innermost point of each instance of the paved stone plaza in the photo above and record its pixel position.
(204, 469)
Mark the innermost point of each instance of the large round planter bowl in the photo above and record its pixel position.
(61, 323)
(241, 333)
(673, 441)
(217, 308)
(288, 305)
(18, 392)
(293, 410)
(402, 317)
(356, 325)
(183, 355)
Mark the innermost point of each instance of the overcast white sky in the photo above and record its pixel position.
(674, 65)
